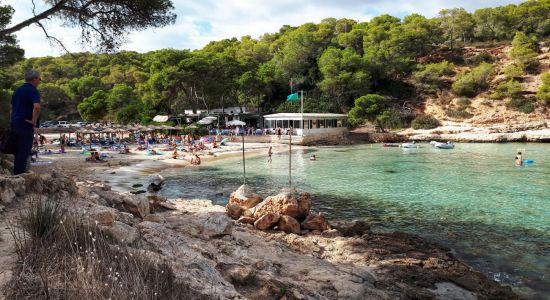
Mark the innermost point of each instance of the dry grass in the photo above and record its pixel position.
(61, 258)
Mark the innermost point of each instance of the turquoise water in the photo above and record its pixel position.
(494, 215)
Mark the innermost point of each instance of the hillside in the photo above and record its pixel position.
(483, 110)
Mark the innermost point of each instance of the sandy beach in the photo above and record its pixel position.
(74, 164)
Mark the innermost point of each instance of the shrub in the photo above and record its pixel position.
(41, 217)
(524, 51)
(390, 119)
(544, 92)
(463, 102)
(428, 77)
(480, 58)
(513, 71)
(521, 104)
(77, 261)
(470, 84)
(458, 114)
(425, 122)
(508, 89)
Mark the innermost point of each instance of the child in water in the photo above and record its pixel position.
(519, 160)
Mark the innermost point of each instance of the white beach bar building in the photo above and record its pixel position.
(317, 126)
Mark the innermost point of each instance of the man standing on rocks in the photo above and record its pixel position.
(24, 110)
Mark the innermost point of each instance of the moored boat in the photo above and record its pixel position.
(410, 145)
(440, 145)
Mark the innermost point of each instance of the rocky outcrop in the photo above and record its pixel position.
(136, 205)
(244, 197)
(53, 185)
(223, 259)
(281, 211)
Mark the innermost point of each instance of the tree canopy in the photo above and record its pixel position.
(336, 62)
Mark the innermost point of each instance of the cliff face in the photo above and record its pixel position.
(216, 257)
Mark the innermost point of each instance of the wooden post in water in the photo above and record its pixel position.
(244, 166)
(290, 160)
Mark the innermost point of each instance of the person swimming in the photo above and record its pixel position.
(519, 159)
(313, 157)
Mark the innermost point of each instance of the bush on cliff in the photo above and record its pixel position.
(524, 51)
(429, 79)
(544, 92)
(425, 122)
(472, 83)
(508, 89)
(521, 104)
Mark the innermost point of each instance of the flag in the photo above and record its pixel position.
(293, 97)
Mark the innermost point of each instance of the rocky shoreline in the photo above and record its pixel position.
(221, 258)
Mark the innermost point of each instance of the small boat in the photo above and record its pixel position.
(390, 145)
(410, 145)
(439, 145)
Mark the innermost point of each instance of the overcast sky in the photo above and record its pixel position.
(201, 21)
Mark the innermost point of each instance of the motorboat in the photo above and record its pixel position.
(412, 145)
(440, 145)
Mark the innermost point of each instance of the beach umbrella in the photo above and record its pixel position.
(236, 123)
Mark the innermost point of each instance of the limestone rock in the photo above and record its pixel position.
(315, 222)
(216, 225)
(154, 218)
(103, 215)
(283, 203)
(246, 220)
(304, 204)
(11, 187)
(158, 203)
(288, 224)
(234, 210)
(121, 232)
(137, 206)
(248, 213)
(267, 221)
(244, 197)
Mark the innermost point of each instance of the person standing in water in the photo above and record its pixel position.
(269, 153)
(519, 159)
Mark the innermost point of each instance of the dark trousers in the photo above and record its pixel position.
(23, 140)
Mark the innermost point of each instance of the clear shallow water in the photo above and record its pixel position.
(496, 216)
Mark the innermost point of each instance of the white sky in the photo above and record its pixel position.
(201, 21)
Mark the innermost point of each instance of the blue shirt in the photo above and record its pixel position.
(22, 106)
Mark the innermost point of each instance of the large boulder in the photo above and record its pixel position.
(282, 203)
(267, 221)
(136, 205)
(288, 202)
(244, 197)
(289, 225)
(315, 222)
